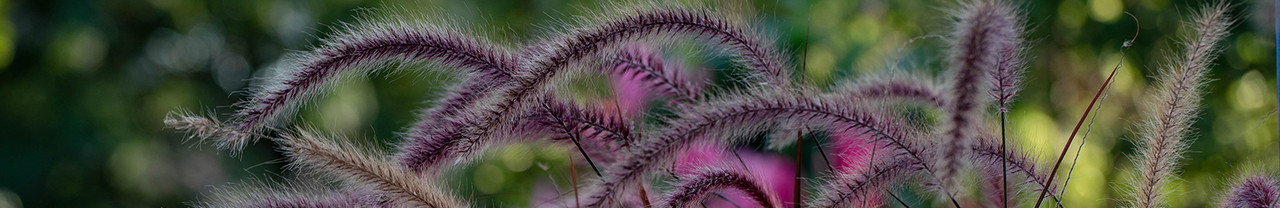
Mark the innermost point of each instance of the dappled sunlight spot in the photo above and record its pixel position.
(1251, 49)
(883, 53)
(132, 167)
(822, 62)
(516, 157)
(828, 10)
(1249, 136)
(1127, 77)
(80, 50)
(288, 22)
(1039, 132)
(1227, 134)
(489, 178)
(864, 29)
(128, 163)
(6, 42)
(553, 153)
(1155, 5)
(1205, 185)
(170, 96)
(1248, 126)
(183, 13)
(8, 199)
(1105, 10)
(1071, 13)
(347, 108)
(1248, 93)
(1090, 176)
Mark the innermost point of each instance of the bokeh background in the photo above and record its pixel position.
(84, 86)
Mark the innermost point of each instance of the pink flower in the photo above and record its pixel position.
(631, 96)
(777, 173)
(850, 151)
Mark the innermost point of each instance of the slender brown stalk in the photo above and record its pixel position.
(1079, 148)
(1004, 162)
(799, 183)
(1065, 147)
(644, 197)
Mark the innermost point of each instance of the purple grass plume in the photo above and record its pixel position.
(851, 187)
(289, 195)
(1252, 189)
(729, 120)
(363, 167)
(1006, 76)
(600, 133)
(551, 57)
(359, 49)
(200, 127)
(986, 154)
(703, 183)
(874, 91)
(911, 90)
(983, 30)
(640, 63)
(508, 95)
(1165, 132)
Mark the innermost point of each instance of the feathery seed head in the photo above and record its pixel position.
(693, 188)
(729, 120)
(257, 193)
(549, 58)
(1255, 189)
(361, 48)
(984, 28)
(1164, 134)
(362, 167)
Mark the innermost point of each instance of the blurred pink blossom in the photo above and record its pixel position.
(777, 173)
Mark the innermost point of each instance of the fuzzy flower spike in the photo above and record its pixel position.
(1252, 189)
(482, 125)
(1164, 133)
(985, 29)
(361, 48)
